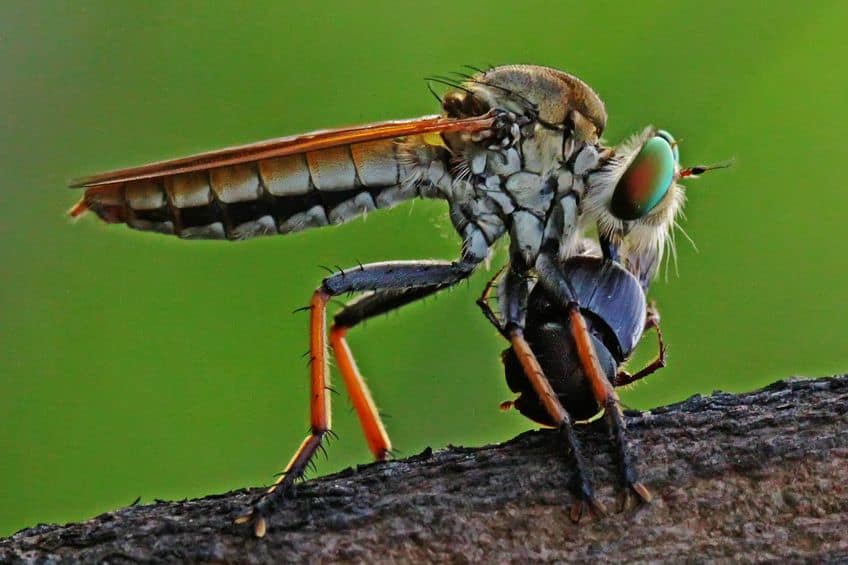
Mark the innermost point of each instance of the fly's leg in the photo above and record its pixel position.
(515, 294)
(581, 485)
(560, 289)
(606, 396)
(624, 378)
(653, 321)
(319, 408)
(360, 396)
(394, 275)
(368, 306)
(488, 311)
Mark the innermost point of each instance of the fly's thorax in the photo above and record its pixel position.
(558, 115)
(541, 149)
(550, 97)
(522, 180)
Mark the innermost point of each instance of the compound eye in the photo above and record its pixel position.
(668, 137)
(647, 180)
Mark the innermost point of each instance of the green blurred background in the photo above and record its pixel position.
(139, 365)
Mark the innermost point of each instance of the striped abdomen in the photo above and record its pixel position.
(269, 196)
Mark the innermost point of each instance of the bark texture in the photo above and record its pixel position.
(761, 476)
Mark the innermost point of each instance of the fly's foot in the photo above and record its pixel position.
(583, 507)
(580, 484)
(259, 523)
(633, 495)
(642, 492)
(586, 503)
(633, 492)
(257, 516)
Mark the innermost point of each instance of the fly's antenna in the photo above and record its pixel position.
(698, 170)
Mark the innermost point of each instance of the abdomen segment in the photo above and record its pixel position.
(270, 196)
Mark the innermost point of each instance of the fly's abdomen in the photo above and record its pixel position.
(265, 197)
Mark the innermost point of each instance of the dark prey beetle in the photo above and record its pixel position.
(613, 304)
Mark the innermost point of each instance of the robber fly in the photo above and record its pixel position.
(515, 150)
(613, 306)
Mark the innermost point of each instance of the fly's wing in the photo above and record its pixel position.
(275, 186)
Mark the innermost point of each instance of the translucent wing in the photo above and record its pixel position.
(283, 146)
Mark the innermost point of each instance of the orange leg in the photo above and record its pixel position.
(606, 396)
(360, 396)
(623, 378)
(537, 377)
(319, 407)
(554, 408)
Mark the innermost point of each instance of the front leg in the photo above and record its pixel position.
(580, 484)
(623, 378)
(375, 276)
(559, 288)
(514, 309)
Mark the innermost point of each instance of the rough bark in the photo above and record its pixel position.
(757, 477)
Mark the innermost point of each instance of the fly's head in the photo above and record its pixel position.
(635, 198)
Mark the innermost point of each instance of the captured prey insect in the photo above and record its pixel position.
(517, 150)
(613, 310)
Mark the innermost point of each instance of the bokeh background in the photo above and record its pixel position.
(139, 365)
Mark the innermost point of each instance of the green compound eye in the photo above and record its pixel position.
(647, 179)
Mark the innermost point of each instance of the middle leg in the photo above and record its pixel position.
(606, 396)
(560, 289)
(580, 484)
(512, 328)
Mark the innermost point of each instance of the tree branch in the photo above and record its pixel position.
(761, 476)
